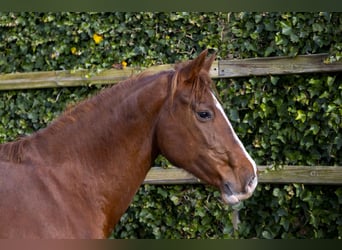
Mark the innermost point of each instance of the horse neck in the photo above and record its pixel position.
(108, 140)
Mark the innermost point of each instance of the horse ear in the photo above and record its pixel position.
(192, 69)
(209, 62)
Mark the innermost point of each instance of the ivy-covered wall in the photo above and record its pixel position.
(292, 119)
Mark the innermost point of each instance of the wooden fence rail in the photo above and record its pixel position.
(220, 69)
(331, 175)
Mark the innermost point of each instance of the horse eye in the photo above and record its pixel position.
(204, 115)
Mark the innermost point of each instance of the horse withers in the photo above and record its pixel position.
(76, 177)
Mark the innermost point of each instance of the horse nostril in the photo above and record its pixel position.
(251, 181)
(227, 189)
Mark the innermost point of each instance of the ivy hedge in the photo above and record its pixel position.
(292, 119)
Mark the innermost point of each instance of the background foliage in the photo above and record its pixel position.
(293, 120)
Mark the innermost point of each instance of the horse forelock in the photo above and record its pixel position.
(202, 84)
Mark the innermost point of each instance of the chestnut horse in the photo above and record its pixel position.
(76, 177)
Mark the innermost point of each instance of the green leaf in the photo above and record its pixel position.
(267, 235)
(234, 115)
(269, 50)
(301, 116)
(276, 192)
(286, 28)
(175, 200)
(316, 27)
(274, 79)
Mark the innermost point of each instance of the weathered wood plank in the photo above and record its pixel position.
(219, 69)
(171, 175)
(277, 66)
(302, 174)
(284, 174)
(52, 79)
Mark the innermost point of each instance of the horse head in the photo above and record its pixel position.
(194, 133)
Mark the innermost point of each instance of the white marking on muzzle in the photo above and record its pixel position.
(219, 107)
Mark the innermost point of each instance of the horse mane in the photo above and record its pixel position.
(73, 112)
(13, 151)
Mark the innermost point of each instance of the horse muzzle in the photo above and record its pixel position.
(231, 197)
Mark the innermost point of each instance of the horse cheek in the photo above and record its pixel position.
(170, 142)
